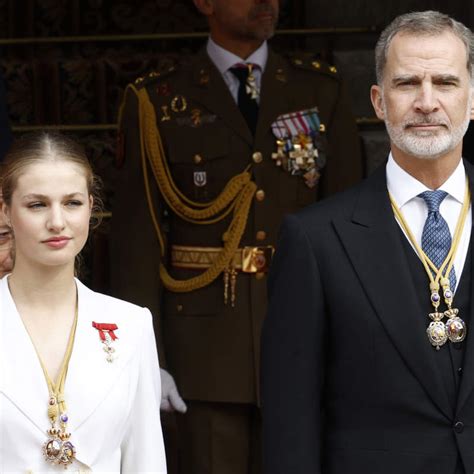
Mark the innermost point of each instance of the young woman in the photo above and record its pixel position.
(79, 374)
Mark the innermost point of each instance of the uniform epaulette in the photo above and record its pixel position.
(155, 75)
(310, 63)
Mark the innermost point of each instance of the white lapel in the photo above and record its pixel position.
(90, 376)
(22, 380)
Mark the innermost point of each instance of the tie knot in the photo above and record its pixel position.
(433, 199)
(243, 70)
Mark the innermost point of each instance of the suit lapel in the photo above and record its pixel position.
(373, 244)
(274, 85)
(467, 381)
(90, 376)
(21, 380)
(209, 89)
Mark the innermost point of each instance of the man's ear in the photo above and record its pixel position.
(206, 7)
(377, 101)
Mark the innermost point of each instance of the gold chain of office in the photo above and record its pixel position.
(235, 198)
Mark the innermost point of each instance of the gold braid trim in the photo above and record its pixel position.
(236, 197)
(231, 243)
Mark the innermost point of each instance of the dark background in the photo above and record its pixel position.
(66, 64)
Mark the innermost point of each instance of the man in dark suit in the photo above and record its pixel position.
(217, 150)
(366, 366)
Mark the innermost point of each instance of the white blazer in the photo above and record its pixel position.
(113, 408)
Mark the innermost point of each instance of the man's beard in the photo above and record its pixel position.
(252, 29)
(265, 31)
(428, 144)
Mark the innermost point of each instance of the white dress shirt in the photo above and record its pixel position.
(224, 60)
(405, 189)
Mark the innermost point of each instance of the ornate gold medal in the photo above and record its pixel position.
(436, 330)
(58, 449)
(455, 327)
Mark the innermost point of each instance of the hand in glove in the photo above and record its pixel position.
(170, 398)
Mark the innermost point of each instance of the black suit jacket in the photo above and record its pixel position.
(350, 381)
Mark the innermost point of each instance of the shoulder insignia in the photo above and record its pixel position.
(155, 75)
(310, 63)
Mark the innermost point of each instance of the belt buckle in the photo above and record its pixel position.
(256, 259)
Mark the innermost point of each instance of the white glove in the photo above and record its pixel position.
(170, 398)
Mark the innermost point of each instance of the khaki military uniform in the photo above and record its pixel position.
(209, 337)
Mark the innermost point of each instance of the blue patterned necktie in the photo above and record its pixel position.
(436, 237)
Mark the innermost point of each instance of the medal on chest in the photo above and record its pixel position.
(301, 148)
(454, 329)
(58, 449)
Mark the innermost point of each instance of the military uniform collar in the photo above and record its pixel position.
(224, 60)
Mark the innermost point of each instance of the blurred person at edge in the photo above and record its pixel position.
(6, 245)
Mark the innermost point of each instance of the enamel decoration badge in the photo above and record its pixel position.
(107, 337)
(301, 148)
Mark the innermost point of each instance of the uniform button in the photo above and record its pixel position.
(460, 371)
(257, 157)
(458, 427)
(261, 235)
(179, 308)
(259, 275)
(197, 159)
(260, 195)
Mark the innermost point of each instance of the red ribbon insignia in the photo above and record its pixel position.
(101, 327)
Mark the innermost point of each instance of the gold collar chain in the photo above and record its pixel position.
(455, 328)
(57, 449)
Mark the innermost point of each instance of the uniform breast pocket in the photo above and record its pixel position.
(199, 163)
(207, 301)
(294, 192)
(305, 195)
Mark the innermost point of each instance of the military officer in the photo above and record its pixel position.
(215, 151)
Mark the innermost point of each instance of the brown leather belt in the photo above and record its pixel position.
(246, 259)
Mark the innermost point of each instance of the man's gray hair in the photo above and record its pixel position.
(427, 23)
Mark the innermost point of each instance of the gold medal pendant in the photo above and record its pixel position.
(456, 328)
(436, 331)
(58, 449)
